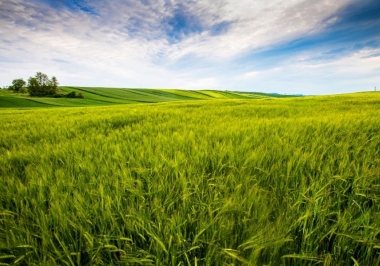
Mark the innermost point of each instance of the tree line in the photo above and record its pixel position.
(41, 86)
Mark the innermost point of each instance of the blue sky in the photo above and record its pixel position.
(293, 46)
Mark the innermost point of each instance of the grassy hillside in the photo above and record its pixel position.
(275, 181)
(111, 96)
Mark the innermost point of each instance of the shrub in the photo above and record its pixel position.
(74, 95)
(71, 94)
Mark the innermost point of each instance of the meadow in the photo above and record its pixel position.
(114, 96)
(264, 181)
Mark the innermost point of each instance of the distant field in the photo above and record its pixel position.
(274, 181)
(111, 96)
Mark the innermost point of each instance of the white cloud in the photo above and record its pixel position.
(126, 43)
(347, 74)
(248, 75)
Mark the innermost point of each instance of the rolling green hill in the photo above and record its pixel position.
(111, 96)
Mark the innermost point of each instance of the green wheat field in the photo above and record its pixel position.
(170, 177)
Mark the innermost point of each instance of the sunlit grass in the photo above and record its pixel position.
(223, 182)
(114, 96)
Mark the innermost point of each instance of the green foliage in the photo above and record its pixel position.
(73, 94)
(40, 85)
(17, 85)
(54, 83)
(224, 182)
(34, 87)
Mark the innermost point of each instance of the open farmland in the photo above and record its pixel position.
(272, 181)
(112, 96)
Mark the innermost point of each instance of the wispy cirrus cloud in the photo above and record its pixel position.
(168, 43)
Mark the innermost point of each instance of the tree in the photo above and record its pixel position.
(17, 85)
(34, 87)
(42, 79)
(55, 83)
(40, 85)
